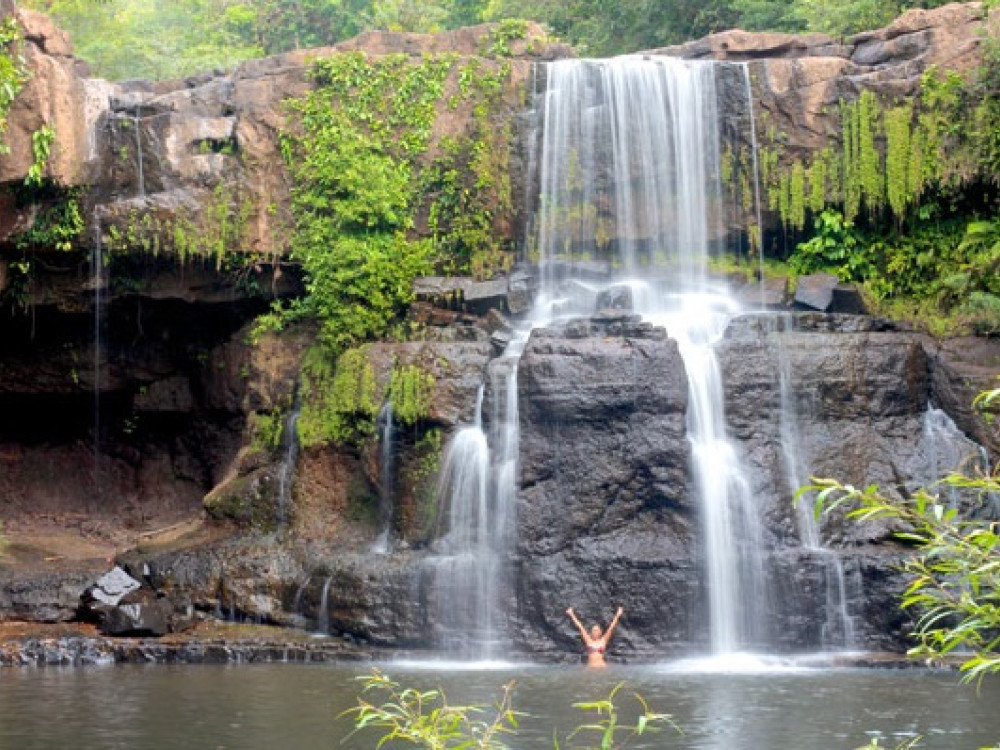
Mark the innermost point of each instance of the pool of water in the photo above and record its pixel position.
(292, 707)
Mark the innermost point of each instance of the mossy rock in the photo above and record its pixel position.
(250, 500)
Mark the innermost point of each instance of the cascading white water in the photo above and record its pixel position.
(387, 476)
(323, 614)
(628, 166)
(465, 564)
(838, 628)
(629, 173)
(289, 460)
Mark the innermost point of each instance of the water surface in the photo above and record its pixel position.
(292, 707)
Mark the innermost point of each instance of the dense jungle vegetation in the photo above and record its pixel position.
(171, 38)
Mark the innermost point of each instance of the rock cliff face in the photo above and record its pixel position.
(606, 511)
(799, 80)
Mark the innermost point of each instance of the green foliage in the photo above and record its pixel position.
(364, 183)
(500, 36)
(954, 587)
(41, 146)
(982, 313)
(410, 391)
(943, 140)
(834, 247)
(267, 430)
(420, 471)
(13, 72)
(423, 16)
(426, 719)
(4, 543)
(607, 727)
(216, 234)
(58, 223)
(156, 39)
(840, 17)
(924, 162)
(601, 28)
(339, 398)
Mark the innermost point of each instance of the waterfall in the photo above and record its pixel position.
(471, 552)
(289, 460)
(387, 476)
(949, 450)
(323, 615)
(138, 150)
(838, 629)
(97, 280)
(628, 166)
(756, 179)
(629, 175)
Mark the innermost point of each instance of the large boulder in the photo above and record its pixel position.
(604, 514)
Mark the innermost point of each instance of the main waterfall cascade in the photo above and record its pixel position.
(625, 156)
(630, 149)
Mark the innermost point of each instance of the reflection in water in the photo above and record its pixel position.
(296, 707)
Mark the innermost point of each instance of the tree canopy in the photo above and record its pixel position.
(173, 38)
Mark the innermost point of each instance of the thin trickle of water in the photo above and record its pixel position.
(387, 477)
(948, 450)
(138, 150)
(300, 592)
(97, 280)
(838, 629)
(947, 447)
(323, 614)
(289, 461)
(759, 228)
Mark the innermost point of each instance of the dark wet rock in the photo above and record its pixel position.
(140, 613)
(521, 292)
(847, 299)
(122, 605)
(604, 508)
(32, 596)
(482, 296)
(815, 291)
(770, 294)
(961, 369)
(615, 298)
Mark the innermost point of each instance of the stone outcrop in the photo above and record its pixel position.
(154, 153)
(799, 80)
(604, 512)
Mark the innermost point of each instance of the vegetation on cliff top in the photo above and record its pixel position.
(173, 38)
(907, 202)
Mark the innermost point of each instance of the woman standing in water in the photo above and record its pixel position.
(596, 639)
